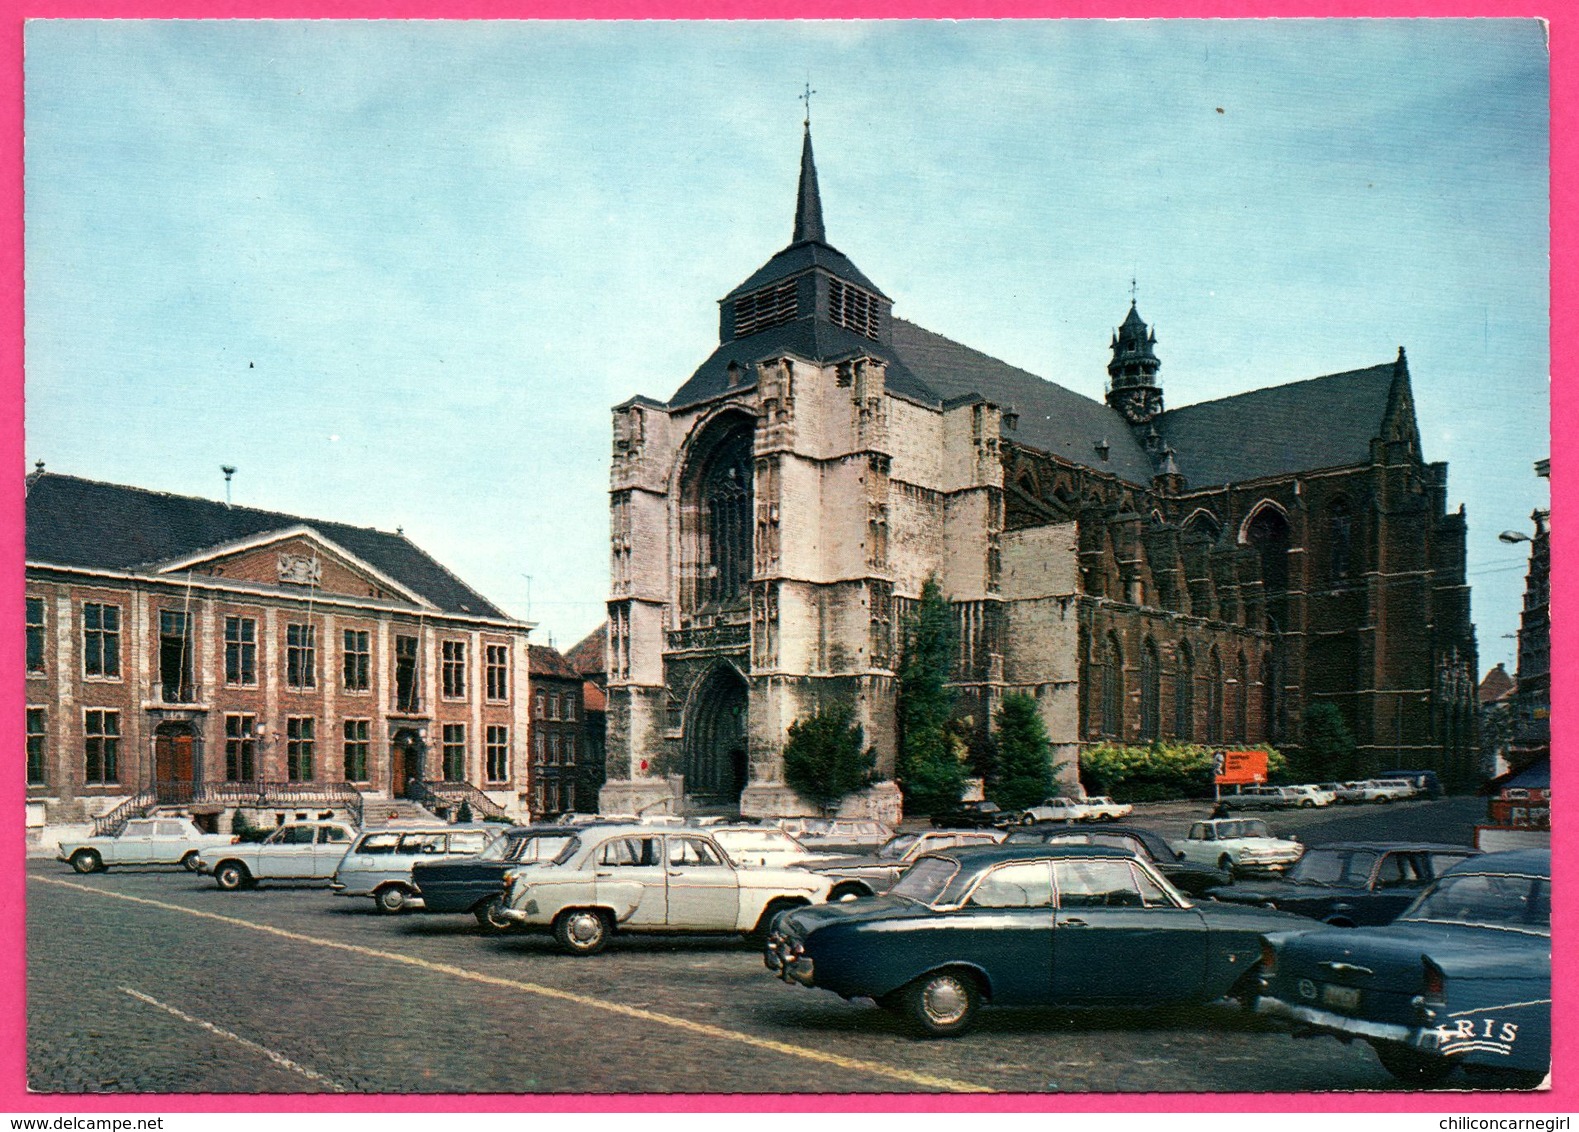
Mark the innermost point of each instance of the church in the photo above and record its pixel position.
(1202, 574)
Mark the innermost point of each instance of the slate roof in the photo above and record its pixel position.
(802, 257)
(809, 338)
(106, 526)
(546, 661)
(1054, 419)
(1325, 422)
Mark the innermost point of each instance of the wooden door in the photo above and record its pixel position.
(172, 762)
(397, 769)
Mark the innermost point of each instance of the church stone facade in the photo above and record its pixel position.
(1202, 573)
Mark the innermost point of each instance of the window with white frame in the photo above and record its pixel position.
(101, 748)
(452, 671)
(101, 640)
(498, 752)
(497, 658)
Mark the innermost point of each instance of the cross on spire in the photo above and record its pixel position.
(806, 98)
(1133, 290)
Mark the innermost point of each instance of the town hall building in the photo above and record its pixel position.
(1204, 573)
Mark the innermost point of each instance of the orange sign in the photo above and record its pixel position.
(1240, 768)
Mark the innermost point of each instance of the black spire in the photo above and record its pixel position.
(808, 206)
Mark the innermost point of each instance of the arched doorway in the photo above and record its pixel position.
(405, 760)
(175, 762)
(716, 763)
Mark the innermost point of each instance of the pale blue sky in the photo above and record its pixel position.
(398, 272)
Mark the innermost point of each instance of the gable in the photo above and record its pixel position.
(298, 561)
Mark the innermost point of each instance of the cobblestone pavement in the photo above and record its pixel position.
(155, 981)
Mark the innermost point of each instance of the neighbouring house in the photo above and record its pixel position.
(188, 656)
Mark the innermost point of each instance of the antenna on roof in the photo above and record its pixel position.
(229, 471)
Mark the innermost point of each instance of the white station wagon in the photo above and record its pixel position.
(297, 851)
(143, 841)
(647, 879)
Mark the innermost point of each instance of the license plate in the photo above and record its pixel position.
(1344, 998)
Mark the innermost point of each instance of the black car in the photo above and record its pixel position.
(476, 884)
(1352, 883)
(1147, 844)
(972, 815)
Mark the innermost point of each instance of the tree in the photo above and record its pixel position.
(826, 757)
(1328, 751)
(929, 769)
(1025, 769)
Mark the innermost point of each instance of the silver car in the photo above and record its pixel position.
(297, 851)
(378, 864)
(143, 841)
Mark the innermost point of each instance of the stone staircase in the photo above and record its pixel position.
(383, 811)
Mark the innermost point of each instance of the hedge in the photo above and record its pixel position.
(1156, 772)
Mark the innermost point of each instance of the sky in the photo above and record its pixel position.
(397, 273)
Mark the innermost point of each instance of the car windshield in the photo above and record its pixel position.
(925, 880)
(1334, 866)
(1522, 903)
(736, 840)
(536, 847)
(895, 848)
(1250, 827)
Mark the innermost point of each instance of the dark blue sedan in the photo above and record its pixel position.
(476, 884)
(1351, 883)
(1052, 925)
(1462, 978)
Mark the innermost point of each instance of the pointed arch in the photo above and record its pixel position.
(716, 532)
(1150, 691)
(1112, 687)
(1204, 523)
(1266, 530)
(1184, 694)
(1257, 513)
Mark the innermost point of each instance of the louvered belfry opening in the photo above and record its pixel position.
(771, 306)
(854, 309)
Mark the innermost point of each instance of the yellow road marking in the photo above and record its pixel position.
(876, 1068)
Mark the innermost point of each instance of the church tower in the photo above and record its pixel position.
(1133, 387)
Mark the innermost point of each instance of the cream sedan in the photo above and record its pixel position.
(646, 879)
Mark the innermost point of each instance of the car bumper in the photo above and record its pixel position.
(1343, 1025)
(780, 958)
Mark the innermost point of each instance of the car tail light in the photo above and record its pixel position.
(1268, 958)
(236, 840)
(1435, 982)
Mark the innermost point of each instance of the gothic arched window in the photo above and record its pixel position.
(1340, 538)
(1113, 688)
(1242, 704)
(1184, 696)
(1271, 697)
(1214, 697)
(1150, 691)
(716, 517)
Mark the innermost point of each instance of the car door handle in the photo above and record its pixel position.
(1073, 922)
(603, 876)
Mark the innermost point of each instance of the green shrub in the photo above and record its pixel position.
(826, 758)
(930, 768)
(1024, 765)
(1158, 771)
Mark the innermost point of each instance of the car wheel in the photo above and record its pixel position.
(1307, 804)
(1411, 1066)
(1226, 863)
(772, 912)
(1027, 819)
(944, 1003)
(189, 862)
(232, 875)
(392, 900)
(1383, 800)
(1246, 991)
(488, 917)
(849, 892)
(86, 861)
(583, 931)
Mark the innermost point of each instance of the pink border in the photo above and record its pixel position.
(1565, 411)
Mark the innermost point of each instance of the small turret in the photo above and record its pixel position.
(1133, 388)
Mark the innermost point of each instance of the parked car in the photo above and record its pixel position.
(1054, 809)
(1380, 790)
(1312, 795)
(971, 815)
(1102, 808)
(1187, 876)
(848, 833)
(1425, 782)
(1351, 883)
(378, 864)
(297, 851)
(1462, 978)
(642, 879)
(1238, 845)
(476, 884)
(762, 846)
(800, 827)
(1045, 925)
(873, 873)
(1268, 798)
(143, 841)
